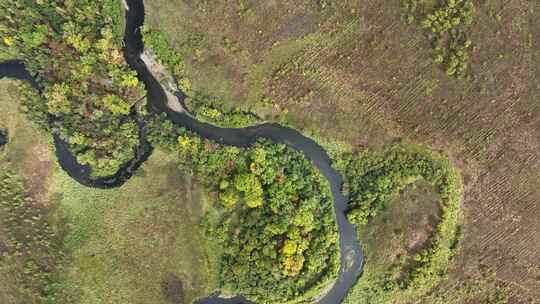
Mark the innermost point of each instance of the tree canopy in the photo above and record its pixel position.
(88, 91)
(273, 215)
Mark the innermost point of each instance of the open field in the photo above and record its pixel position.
(28, 149)
(354, 72)
(137, 244)
(28, 153)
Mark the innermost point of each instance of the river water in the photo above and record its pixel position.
(351, 256)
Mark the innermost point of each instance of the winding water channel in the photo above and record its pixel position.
(351, 254)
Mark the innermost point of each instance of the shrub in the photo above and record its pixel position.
(447, 24)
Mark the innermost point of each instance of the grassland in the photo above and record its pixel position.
(28, 149)
(137, 244)
(28, 153)
(355, 73)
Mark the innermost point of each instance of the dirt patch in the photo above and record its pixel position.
(420, 238)
(172, 289)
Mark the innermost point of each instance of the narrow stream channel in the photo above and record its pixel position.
(351, 254)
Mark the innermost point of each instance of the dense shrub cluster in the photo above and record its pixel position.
(410, 10)
(273, 216)
(372, 179)
(455, 56)
(31, 243)
(452, 45)
(447, 23)
(212, 110)
(450, 14)
(75, 49)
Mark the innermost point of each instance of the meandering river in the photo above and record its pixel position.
(351, 256)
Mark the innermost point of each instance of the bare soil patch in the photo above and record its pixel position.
(172, 289)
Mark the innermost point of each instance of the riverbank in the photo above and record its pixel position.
(160, 73)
